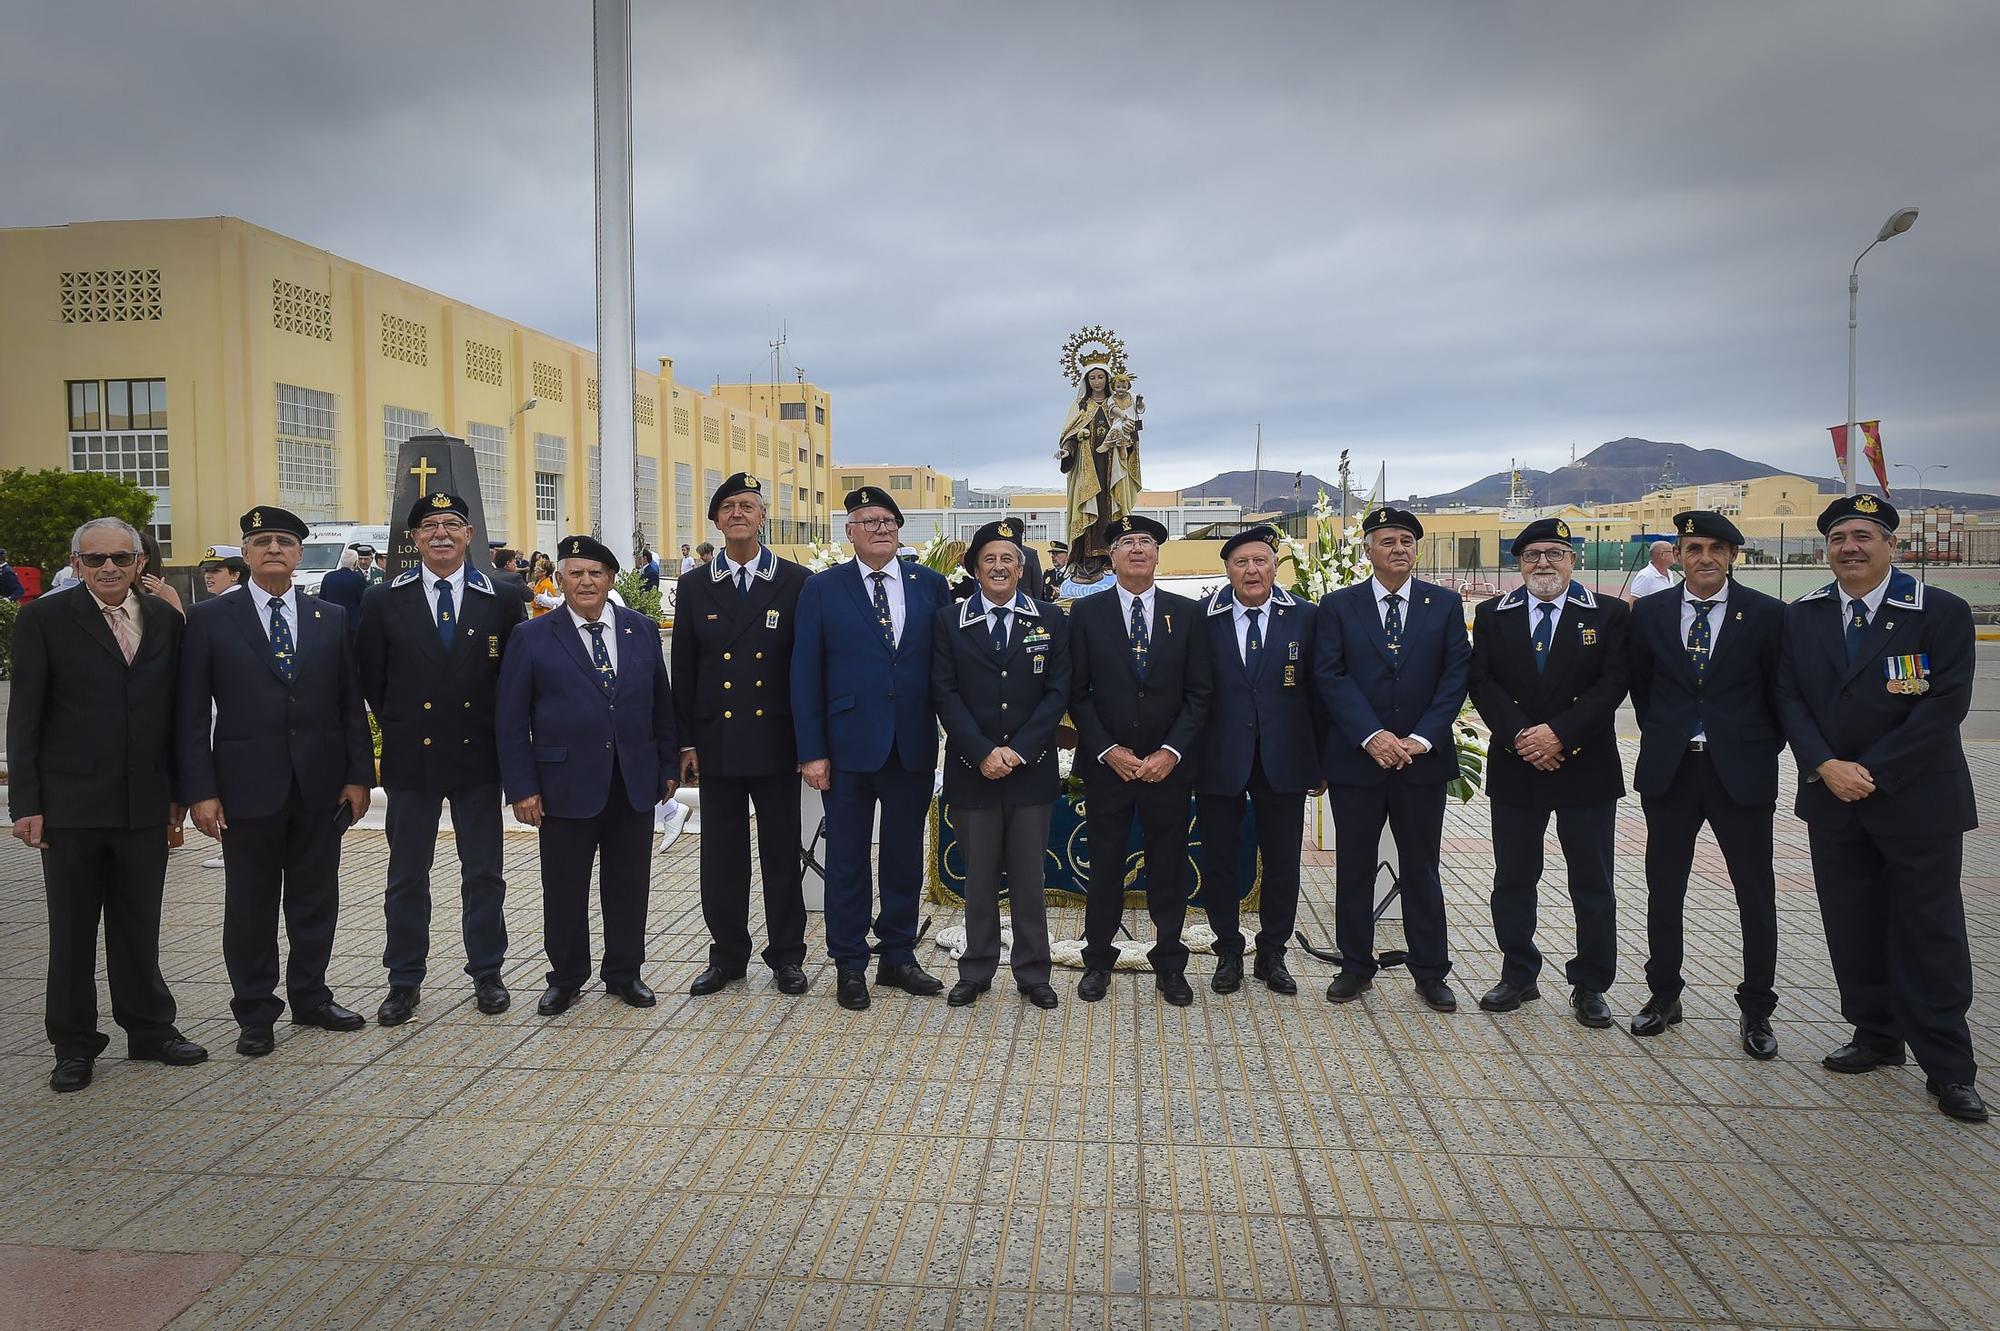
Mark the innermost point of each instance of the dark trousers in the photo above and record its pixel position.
(1162, 811)
(905, 798)
(1414, 813)
(1013, 837)
(725, 868)
(1895, 930)
(1585, 832)
(117, 873)
(290, 858)
(1281, 825)
(620, 839)
(412, 825)
(1743, 831)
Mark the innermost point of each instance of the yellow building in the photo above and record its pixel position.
(1765, 502)
(910, 487)
(219, 365)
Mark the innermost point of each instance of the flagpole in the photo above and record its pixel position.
(611, 29)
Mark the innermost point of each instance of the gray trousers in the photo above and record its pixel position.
(1013, 837)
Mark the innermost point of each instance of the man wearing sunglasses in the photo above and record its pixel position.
(89, 745)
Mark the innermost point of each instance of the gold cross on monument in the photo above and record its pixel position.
(423, 471)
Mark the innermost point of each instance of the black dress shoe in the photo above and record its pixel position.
(963, 993)
(175, 1050)
(1271, 970)
(1228, 977)
(329, 1016)
(71, 1074)
(1590, 1008)
(1655, 1017)
(255, 1041)
(790, 978)
(555, 1001)
(1437, 995)
(1861, 1058)
(713, 980)
(1758, 1042)
(1348, 986)
(1173, 987)
(1094, 985)
(852, 989)
(400, 1005)
(491, 995)
(1955, 1100)
(1041, 995)
(1505, 997)
(633, 992)
(910, 978)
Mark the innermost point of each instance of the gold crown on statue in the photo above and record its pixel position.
(1094, 348)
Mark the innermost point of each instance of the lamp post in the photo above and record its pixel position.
(1928, 466)
(1899, 221)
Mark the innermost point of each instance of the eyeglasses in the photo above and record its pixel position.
(451, 525)
(1544, 556)
(122, 558)
(873, 524)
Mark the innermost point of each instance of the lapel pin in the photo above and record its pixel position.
(1739, 614)
(1888, 624)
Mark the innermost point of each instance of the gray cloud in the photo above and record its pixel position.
(1441, 235)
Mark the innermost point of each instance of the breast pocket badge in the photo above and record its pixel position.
(770, 619)
(1908, 676)
(1587, 636)
(1292, 650)
(493, 647)
(1041, 663)
(1291, 676)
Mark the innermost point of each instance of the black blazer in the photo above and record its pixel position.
(435, 707)
(986, 698)
(732, 667)
(1909, 742)
(268, 733)
(1112, 705)
(1735, 705)
(1577, 696)
(89, 738)
(1272, 716)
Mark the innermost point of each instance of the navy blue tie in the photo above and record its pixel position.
(1857, 627)
(1142, 642)
(1253, 642)
(1392, 621)
(1545, 633)
(1000, 628)
(281, 638)
(599, 657)
(444, 613)
(883, 617)
(743, 580)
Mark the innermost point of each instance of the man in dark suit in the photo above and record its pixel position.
(346, 585)
(1000, 674)
(429, 652)
(1391, 673)
(1140, 686)
(509, 580)
(1261, 743)
(586, 722)
(1704, 661)
(285, 771)
(1873, 684)
(90, 753)
(867, 737)
(1549, 668)
(734, 620)
(1052, 581)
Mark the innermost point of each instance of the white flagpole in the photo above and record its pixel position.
(611, 26)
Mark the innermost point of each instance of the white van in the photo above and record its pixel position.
(323, 547)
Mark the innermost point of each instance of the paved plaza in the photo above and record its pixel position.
(754, 1160)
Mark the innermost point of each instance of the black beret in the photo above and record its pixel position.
(269, 518)
(1268, 535)
(1542, 529)
(1701, 522)
(869, 496)
(1134, 524)
(1859, 506)
(1006, 529)
(1375, 519)
(585, 547)
(742, 483)
(438, 501)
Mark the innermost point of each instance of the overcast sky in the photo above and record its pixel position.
(1440, 234)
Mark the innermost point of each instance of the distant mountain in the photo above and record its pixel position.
(1272, 493)
(1628, 469)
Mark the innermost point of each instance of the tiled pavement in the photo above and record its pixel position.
(1251, 1161)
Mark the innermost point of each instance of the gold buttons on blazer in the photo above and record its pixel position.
(760, 711)
(727, 716)
(726, 656)
(760, 656)
(726, 684)
(427, 707)
(427, 741)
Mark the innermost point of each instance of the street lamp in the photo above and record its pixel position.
(1928, 466)
(1899, 221)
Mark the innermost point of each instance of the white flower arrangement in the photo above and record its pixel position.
(820, 558)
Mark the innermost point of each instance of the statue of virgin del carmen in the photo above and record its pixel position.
(1099, 445)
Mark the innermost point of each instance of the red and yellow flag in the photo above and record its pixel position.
(1872, 450)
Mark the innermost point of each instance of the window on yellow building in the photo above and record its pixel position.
(398, 425)
(899, 483)
(306, 428)
(118, 427)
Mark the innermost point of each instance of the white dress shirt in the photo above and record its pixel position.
(991, 609)
(262, 600)
(456, 581)
(730, 572)
(1715, 618)
(126, 610)
(1649, 580)
(892, 585)
(610, 634)
(1873, 600)
(1534, 607)
(1381, 594)
(1241, 613)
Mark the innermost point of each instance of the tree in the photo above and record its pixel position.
(41, 510)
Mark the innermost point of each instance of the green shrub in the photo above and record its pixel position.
(638, 596)
(10, 611)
